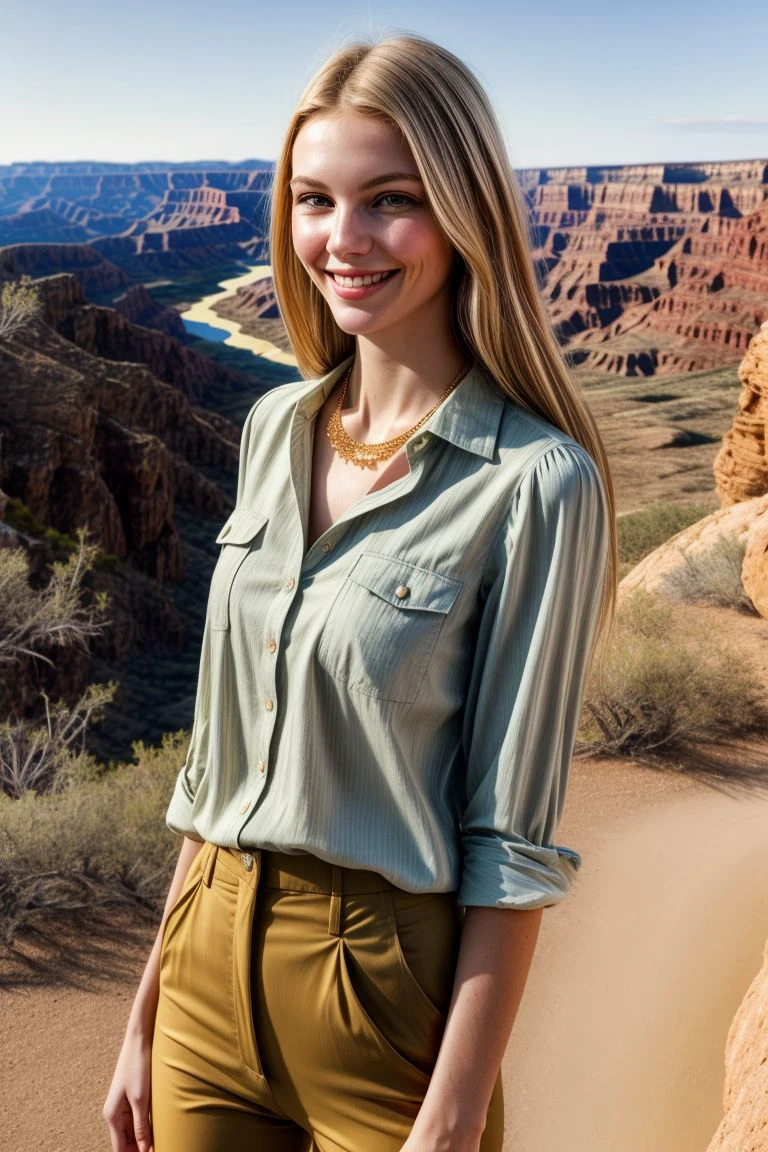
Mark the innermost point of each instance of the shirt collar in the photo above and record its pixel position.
(468, 418)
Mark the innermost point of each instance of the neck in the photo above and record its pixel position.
(395, 379)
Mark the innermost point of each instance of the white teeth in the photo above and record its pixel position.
(359, 281)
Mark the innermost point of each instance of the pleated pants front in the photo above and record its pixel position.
(301, 1007)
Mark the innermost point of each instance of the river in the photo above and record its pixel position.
(201, 320)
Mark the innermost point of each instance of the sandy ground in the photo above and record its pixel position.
(620, 1038)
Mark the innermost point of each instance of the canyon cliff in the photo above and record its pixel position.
(100, 427)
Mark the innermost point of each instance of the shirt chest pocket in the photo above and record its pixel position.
(383, 626)
(242, 534)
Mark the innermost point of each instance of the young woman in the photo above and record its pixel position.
(399, 628)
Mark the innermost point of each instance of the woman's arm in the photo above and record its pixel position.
(497, 946)
(126, 1108)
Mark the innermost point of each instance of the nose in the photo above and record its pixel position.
(349, 233)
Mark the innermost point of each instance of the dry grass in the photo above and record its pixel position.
(713, 577)
(659, 686)
(97, 842)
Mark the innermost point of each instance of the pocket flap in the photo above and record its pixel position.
(241, 527)
(405, 585)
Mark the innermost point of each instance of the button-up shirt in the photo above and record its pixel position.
(403, 695)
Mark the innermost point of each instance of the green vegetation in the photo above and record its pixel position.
(641, 532)
(19, 305)
(20, 517)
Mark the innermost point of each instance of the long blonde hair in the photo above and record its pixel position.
(497, 311)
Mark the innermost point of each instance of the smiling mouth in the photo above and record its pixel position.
(361, 281)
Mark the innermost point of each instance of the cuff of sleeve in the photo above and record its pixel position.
(514, 873)
(179, 815)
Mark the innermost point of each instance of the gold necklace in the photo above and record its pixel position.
(368, 455)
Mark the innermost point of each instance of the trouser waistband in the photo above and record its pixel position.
(296, 872)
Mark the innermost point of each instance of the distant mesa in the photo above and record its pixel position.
(653, 270)
(647, 269)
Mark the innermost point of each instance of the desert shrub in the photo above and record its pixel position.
(640, 532)
(34, 756)
(19, 305)
(56, 616)
(99, 839)
(657, 685)
(713, 576)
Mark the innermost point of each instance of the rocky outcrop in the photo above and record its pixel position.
(104, 332)
(754, 571)
(254, 301)
(744, 1127)
(137, 305)
(746, 521)
(107, 445)
(89, 442)
(96, 276)
(741, 465)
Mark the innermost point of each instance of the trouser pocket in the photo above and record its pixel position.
(400, 961)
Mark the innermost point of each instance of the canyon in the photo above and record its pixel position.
(111, 412)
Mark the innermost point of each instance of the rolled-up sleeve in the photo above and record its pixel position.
(541, 599)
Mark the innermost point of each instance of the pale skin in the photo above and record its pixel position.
(405, 356)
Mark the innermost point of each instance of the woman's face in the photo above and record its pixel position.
(360, 211)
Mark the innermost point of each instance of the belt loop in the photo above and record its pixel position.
(337, 888)
(210, 864)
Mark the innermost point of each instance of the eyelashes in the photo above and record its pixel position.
(405, 201)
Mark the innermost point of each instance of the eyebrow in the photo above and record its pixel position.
(386, 179)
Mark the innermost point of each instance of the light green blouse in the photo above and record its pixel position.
(403, 695)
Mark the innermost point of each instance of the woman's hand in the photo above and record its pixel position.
(126, 1109)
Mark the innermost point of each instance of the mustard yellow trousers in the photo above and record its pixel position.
(301, 1008)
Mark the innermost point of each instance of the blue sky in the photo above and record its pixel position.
(595, 83)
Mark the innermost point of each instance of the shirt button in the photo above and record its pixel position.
(271, 645)
(244, 807)
(290, 583)
(326, 547)
(269, 705)
(260, 766)
(402, 591)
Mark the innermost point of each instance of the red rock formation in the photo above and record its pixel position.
(105, 332)
(89, 441)
(631, 257)
(715, 297)
(741, 465)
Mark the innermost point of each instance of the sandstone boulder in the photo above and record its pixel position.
(754, 572)
(741, 465)
(747, 521)
(744, 1127)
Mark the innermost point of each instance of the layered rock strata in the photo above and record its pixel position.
(741, 465)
